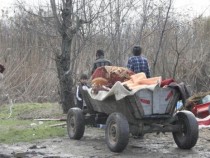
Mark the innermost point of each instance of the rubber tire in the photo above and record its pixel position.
(187, 138)
(75, 123)
(118, 123)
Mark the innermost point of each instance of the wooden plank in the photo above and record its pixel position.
(56, 125)
(50, 119)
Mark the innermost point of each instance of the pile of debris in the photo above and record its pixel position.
(199, 105)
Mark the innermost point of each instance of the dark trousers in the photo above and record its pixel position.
(80, 104)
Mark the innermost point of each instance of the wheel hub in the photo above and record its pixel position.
(72, 124)
(113, 133)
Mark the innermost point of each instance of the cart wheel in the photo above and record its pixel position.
(117, 132)
(75, 123)
(187, 137)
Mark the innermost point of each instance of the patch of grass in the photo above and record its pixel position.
(12, 131)
(31, 111)
(21, 129)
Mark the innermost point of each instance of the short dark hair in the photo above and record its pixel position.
(137, 50)
(100, 52)
(83, 77)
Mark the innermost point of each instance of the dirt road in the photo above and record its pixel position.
(92, 145)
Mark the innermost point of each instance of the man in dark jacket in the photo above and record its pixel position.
(2, 68)
(2, 94)
(100, 60)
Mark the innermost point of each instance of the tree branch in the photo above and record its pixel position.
(54, 10)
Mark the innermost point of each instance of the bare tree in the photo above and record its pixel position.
(179, 51)
(161, 37)
(43, 47)
(68, 25)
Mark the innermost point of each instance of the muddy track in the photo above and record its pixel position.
(93, 145)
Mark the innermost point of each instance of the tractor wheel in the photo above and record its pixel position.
(117, 132)
(187, 137)
(75, 123)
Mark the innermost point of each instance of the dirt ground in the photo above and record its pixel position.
(92, 145)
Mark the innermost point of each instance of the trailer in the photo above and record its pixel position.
(145, 111)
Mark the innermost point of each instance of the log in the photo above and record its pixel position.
(50, 119)
(60, 124)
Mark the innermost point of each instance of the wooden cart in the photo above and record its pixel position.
(144, 112)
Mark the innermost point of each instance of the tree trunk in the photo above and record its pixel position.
(63, 59)
(65, 79)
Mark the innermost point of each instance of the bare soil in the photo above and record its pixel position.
(93, 145)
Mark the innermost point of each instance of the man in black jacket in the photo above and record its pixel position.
(100, 60)
(2, 68)
(2, 95)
